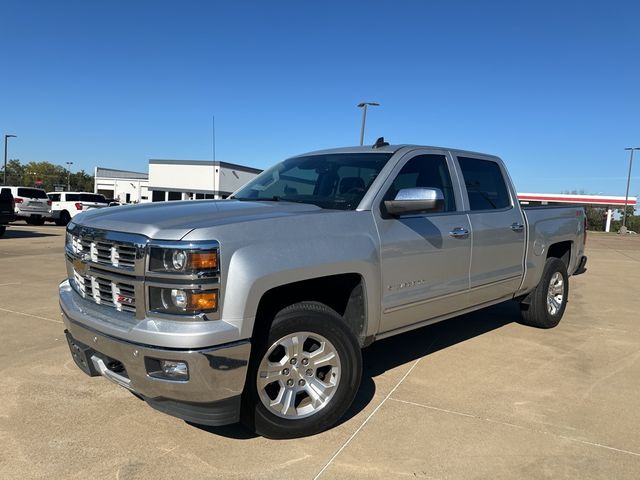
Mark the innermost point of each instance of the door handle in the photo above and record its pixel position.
(459, 232)
(517, 227)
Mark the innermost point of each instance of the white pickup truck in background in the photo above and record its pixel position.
(66, 205)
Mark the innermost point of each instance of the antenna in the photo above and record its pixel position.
(380, 143)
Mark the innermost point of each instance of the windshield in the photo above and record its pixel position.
(334, 181)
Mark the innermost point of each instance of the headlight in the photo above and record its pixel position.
(182, 301)
(183, 261)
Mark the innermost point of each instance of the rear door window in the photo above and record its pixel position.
(31, 193)
(484, 183)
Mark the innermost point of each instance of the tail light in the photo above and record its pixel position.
(13, 204)
(78, 206)
(18, 200)
(49, 202)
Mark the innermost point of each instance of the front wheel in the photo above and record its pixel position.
(305, 376)
(545, 306)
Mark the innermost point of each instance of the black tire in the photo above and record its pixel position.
(315, 318)
(534, 309)
(64, 219)
(2, 230)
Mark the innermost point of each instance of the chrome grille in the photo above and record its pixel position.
(105, 252)
(104, 291)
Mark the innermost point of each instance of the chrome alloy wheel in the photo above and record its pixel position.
(555, 293)
(299, 375)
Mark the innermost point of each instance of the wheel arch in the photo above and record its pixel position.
(344, 293)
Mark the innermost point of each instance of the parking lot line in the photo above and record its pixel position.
(564, 437)
(30, 315)
(366, 420)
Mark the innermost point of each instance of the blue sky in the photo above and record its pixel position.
(551, 87)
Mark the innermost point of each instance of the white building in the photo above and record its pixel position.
(121, 185)
(196, 179)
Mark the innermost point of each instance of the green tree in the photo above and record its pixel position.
(596, 218)
(633, 220)
(47, 176)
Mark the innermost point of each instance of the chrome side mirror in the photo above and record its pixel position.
(416, 200)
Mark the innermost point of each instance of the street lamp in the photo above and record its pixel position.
(626, 195)
(6, 137)
(69, 175)
(364, 106)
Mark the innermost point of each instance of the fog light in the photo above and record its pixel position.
(177, 370)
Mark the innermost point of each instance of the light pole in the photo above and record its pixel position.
(363, 106)
(626, 195)
(69, 175)
(6, 137)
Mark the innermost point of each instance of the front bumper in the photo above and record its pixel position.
(211, 395)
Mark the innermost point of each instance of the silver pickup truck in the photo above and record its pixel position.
(256, 308)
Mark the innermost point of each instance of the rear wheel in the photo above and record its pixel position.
(305, 376)
(545, 306)
(2, 230)
(35, 221)
(64, 219)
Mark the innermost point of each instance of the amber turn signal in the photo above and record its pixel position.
(203, 301)
(203, 261)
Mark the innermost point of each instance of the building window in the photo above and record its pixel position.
(175, 196)
(158, 196)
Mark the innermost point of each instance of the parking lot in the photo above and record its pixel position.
(479, 396)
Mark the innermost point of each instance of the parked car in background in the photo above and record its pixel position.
(6, 209)
(66, 205)
(31, 204)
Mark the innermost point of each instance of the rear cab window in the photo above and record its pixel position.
(485, 185)
(32, 193)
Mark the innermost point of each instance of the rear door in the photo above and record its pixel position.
(425, 258)
(497, 229)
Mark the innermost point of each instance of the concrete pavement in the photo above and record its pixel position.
(479, 396)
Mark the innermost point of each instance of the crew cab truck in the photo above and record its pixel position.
(256, 308)
(7, 206)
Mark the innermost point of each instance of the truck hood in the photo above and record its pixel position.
(174, 220)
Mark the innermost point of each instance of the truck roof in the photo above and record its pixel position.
(391, 149)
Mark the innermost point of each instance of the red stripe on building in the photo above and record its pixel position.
(592, 200)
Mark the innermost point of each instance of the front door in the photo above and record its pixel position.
(425, 257)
